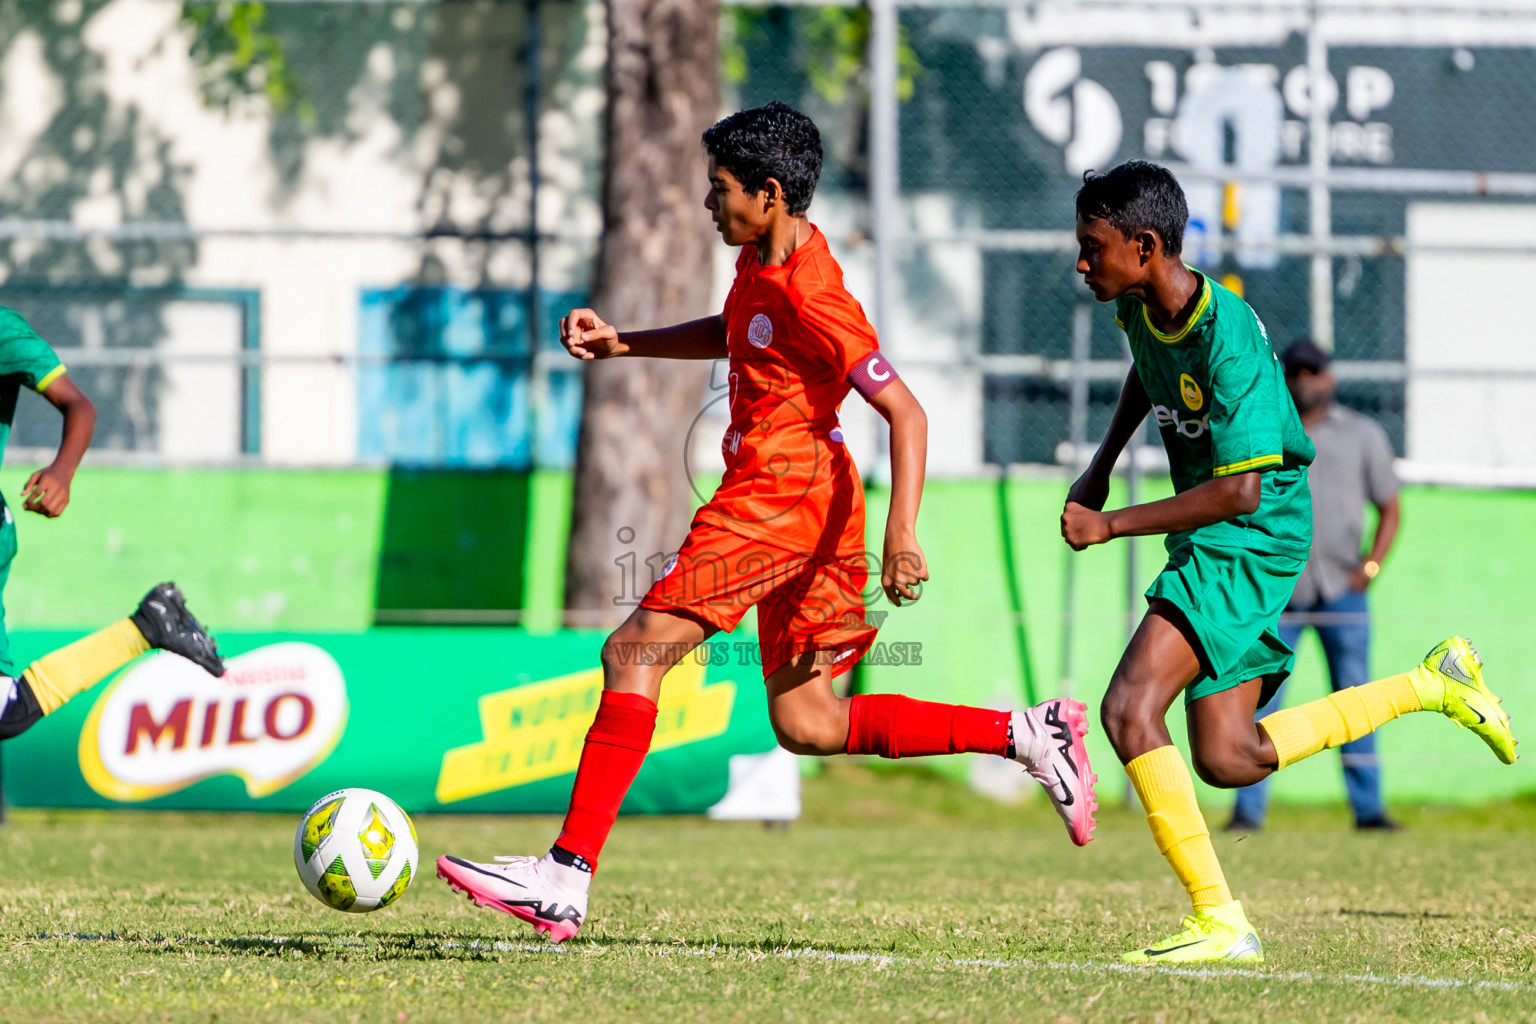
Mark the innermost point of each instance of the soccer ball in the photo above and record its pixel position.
(355, 850)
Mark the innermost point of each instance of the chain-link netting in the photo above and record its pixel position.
(1005, 106)
(305, 232)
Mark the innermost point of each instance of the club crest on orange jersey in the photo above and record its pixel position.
(760, 331)
(1190, 392)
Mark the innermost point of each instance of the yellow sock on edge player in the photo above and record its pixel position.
(1449, 680)
(59, 675)
(1218, 925)
(161, 621)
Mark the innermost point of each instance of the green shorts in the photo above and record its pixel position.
(1232, 598)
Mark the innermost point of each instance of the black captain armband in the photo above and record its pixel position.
(871, 374)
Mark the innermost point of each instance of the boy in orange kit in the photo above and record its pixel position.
(784, 531)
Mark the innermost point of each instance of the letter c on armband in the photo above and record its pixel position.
(871, 375)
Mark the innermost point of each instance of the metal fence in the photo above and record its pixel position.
(307, 232)
(362, 261)
(1398, 244)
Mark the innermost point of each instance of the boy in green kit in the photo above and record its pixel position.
(161, 620)
(1238, 530)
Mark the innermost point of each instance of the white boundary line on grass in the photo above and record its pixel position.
(877, 959)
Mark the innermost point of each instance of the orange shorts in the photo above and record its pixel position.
(805, 601)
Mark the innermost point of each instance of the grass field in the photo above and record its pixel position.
(898, 897)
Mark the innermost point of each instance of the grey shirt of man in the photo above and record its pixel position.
(1353, 466)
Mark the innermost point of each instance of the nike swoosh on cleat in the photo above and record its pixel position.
(1069, 799)
(487, 874)
(1170, 949)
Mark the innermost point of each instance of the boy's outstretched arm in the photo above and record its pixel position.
(47, 490)
(1217, 499)
(1091, 489)
(586, 336)
(903, 566)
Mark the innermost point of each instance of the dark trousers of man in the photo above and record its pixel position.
(1343, 625)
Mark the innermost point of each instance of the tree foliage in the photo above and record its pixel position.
(239, 57)
(833, 52)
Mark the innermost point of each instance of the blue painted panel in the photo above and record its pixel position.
(454, 389)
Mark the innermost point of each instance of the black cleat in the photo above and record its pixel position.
(166, 623)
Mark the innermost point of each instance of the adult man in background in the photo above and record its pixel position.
(1353, 466)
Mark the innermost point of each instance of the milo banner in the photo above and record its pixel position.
(482, 720)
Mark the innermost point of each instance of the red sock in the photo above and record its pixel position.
(610, 759)
(891, 725)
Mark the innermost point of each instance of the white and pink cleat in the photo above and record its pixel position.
(1048, 742)
(549, 896)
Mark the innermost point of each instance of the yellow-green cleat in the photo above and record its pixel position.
(1450, 681)
(1218, 934)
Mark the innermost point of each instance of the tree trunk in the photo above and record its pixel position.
(633, 495)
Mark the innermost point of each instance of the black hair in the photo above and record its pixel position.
(775, 141)
(1304, 354)
(1137, 196)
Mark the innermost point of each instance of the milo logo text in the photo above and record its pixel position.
(165, 724)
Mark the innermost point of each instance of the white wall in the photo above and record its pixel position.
(370, 179)
(1471, 345)
(356, 188)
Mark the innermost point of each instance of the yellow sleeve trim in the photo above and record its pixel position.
(51, 376)
(1247, 464)
(1120, 323)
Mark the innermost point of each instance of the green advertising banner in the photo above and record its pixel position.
(474, 720)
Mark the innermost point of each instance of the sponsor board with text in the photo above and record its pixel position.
(486, 721)
(165, 724)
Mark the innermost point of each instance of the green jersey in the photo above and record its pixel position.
(1219, 397)
(25, 361)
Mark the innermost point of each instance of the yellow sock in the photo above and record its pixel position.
(1339, 718)
(1168, 794)
(58, 676)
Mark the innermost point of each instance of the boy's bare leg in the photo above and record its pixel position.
(1158, 663)
(1229, 750)
(644, 627)
(808, 717)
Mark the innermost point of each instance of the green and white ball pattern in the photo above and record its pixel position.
(355, 850)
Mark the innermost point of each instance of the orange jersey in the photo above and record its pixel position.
(794, 334)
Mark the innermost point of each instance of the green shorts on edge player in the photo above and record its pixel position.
(161, 620)
(1238, 531)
